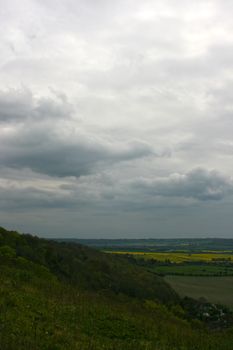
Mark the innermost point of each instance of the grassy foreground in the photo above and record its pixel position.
(57, 296)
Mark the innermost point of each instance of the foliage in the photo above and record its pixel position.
(7, 252)
(88, 268)
(45, 304)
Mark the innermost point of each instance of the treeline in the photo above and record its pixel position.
(88, 268)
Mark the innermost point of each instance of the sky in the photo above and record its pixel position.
(116, 118)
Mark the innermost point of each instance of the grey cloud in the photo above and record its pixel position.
(31, 194)
(44, 143)
(25, 198)
(57, 157)
(18, 105)
(15, 105)
(103, 194)
(198, 184)
(130, 89)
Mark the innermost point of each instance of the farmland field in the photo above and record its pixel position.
(177, 257)
(214, 289)
(205, 273)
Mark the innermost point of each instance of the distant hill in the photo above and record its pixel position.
(157, 245)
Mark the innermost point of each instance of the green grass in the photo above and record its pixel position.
(214, 289)
(57, 296)
(39, 312)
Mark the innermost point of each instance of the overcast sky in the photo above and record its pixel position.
(116, 118)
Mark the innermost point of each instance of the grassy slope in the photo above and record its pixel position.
(44, 308)
(39, 312)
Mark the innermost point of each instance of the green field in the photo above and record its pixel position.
(214, 289)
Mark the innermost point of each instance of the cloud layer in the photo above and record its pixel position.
(116, 119)
(42, 136)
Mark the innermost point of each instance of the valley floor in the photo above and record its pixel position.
(214, 289)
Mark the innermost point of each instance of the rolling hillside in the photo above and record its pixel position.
(87, 268)
(56, 296)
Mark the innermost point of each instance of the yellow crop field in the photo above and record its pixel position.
(178, 257)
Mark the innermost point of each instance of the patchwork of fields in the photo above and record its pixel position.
(176, 257)
(204, 274)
